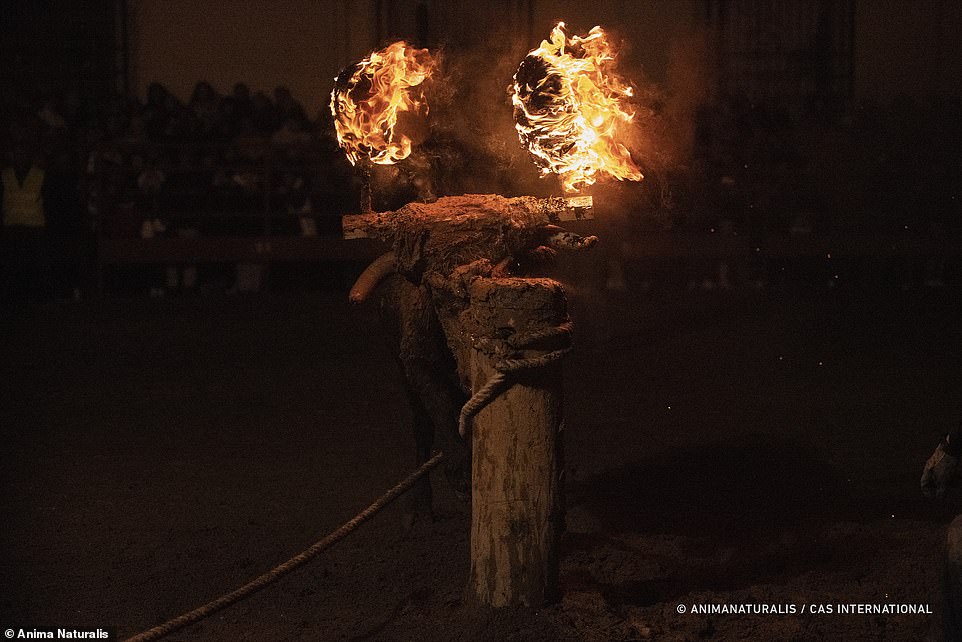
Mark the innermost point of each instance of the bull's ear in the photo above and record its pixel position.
(381, 268)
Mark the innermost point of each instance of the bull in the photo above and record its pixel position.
(421, 292)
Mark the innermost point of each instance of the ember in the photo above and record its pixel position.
(369, 96)
(571, 107)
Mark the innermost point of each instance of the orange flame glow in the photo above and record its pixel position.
(368, 97)
(571, 106)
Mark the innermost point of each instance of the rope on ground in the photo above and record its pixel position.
(505, 367)
(295, 562)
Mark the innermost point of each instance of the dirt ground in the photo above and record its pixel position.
(722, 448)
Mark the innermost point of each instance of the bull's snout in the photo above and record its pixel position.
(561, 239)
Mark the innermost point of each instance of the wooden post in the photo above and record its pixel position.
(517, 512)
(517, 461)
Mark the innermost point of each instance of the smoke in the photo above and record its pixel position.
(662, 136)
(474, 146)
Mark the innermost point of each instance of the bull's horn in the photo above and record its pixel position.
(382, 267)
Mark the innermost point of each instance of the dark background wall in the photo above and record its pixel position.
(890, 46)
(298, 43)
(71, 46)
(303, 43)
(907, 47)
(97, 47)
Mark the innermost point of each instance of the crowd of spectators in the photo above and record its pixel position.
(132, 168)
(235, 164)
(205, 160)
(209, 117)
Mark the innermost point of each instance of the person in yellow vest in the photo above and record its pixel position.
(25, 261)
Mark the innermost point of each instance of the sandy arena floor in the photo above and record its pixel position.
(721, 448)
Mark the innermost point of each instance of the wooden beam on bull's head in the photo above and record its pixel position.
(551, 210)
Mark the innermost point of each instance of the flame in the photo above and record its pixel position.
(570, 105)
(368, 97)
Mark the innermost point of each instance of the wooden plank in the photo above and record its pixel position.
(495, 209)
(235, 249)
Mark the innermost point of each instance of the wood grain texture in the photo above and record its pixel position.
(517, 458)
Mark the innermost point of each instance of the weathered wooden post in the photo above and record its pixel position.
(517, 514)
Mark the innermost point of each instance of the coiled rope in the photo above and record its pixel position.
(508, 366)
(295, 562)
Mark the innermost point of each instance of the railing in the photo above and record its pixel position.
(246, 201)
(231, 204)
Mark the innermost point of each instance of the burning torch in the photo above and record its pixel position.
(571, 110)
(369, 98)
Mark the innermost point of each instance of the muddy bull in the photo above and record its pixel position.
(420, 289)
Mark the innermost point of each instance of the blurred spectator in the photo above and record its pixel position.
(287, 108)
(243, 108)
(155, 114)
(227, 120)
(179, 124)
(50, 115)
(205, 105)
(26, 260)
(263, 114)
(292, 132)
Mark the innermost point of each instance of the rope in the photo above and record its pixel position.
(295, 562)
(529, 338)
(479, 400)
(495, 384)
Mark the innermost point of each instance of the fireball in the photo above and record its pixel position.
(369, 96)
(571, 109)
